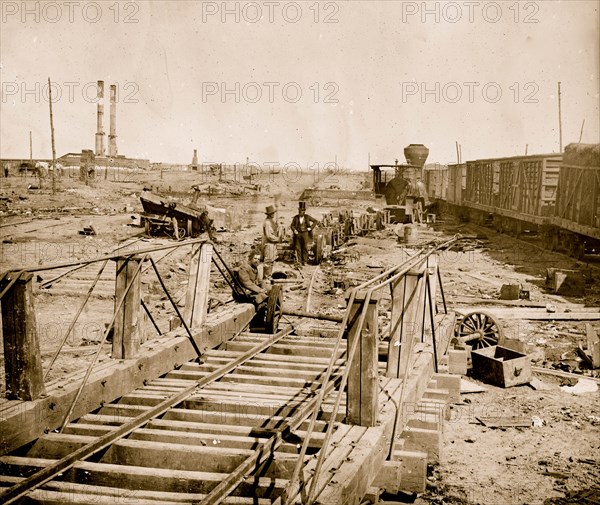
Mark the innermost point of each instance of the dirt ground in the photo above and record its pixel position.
(554, 462)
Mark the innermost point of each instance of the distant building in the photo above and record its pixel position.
(74, 160)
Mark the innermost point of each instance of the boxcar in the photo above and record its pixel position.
(513, 193)
(576, 220)
(457, 180)
(436, 182)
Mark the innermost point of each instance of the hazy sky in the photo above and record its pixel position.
(302, 81)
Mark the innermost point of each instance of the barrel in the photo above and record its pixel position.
(410, 233)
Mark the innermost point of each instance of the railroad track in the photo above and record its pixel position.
(227, 430)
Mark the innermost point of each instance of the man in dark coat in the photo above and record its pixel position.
(250, 278)
(302, 226)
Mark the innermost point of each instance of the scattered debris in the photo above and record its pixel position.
(510, 292)
(582, 387)
(593, 346)
(467, 387)
(88, 230)
(505, 421)
(539, 385)
(537, 422)
(565, 282)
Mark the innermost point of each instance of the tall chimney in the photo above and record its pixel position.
(112, 136)
(100, 120)
(195, 160)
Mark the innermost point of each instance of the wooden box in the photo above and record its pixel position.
(501, 366)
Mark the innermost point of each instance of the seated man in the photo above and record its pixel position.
(250, 279)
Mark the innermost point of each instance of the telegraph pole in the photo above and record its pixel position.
(52, 135)
(560, 120)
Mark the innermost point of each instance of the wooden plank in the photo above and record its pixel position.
(290, 350)
(593, 344)
(23, 361)
(57, 445)
(399, 297)
(362, 388)
(504, 421)
(270, 371)
(559, 373)
(205, 439)
(196, 299)
(138, 478)
(244, 378)
(284, 365)
(280, 358)
(126, 330)
(534, 314)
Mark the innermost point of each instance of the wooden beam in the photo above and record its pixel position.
(363, 382)
(23, 361)
(406, 320)
(423, 440)
(593, 344)
(126, 333)
(196, 298)
(591, 314)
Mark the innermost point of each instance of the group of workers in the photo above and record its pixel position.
(248, 273)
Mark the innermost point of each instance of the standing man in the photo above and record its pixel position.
(269, 241)
(302, 226)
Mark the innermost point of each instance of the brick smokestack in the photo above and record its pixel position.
(112, 136)
(100, 120)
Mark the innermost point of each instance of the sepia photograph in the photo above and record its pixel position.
(302, 252)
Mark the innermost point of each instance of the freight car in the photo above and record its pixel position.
(575, 224)
(557, 196)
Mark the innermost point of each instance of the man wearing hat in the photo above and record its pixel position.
(269, 241)
(302, 226)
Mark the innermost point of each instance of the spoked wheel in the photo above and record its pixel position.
(273, 312)
(479, 330)
(178, 231)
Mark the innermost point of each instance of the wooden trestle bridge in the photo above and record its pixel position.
(215, 413)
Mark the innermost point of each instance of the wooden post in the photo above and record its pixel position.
(127, 332)
(363, 391)
(196, 298)
(23, 361)
(432, 266)
(52, 138)
(405, 324)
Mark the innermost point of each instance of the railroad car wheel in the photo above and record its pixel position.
(479, 330)
(549, 238)
(576, 248)
(273, 313)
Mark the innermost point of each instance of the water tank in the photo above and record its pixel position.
(416, 154)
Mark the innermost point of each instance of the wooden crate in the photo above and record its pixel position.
(501, 366)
